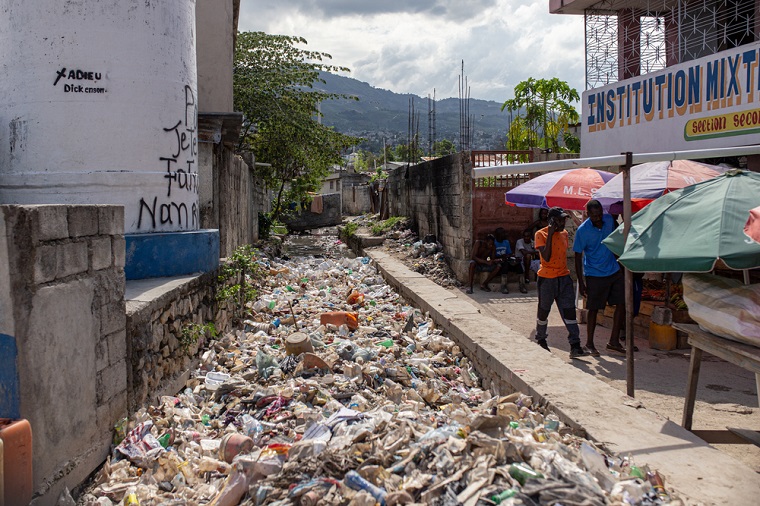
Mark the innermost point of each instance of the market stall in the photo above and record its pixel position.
(696, 230)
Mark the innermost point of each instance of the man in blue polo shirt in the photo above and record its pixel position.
(604, 282)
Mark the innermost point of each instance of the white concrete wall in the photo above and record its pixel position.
(99, 105)
(214, 19)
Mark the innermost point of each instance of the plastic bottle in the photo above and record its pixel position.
(522, 472)
(503, 496)
(659, 486)
(130, 498)
(551, 423)
(597, 466)
(354, 481)
(252, 427)
(165, 439)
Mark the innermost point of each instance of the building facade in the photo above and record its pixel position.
(669, 75)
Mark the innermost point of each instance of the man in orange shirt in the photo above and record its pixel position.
(554, 283)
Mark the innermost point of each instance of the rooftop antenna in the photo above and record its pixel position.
(464, 112)
(430, 126)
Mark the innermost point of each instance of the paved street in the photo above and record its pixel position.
(726, 396)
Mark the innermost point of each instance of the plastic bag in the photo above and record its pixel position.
(723, 306)
(265, 363)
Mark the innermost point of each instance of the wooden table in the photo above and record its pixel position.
(745, 356)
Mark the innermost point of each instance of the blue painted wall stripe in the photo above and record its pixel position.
(170, 254)
(9, 387)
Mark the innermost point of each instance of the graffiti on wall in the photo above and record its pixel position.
(78, 81)
(180, 174)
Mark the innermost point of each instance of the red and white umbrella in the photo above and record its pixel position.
(752, 228)
(569, 189)
(654, 179)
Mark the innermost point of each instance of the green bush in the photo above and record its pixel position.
(192, 332)
(384, 226)
(265, 226)
(233, 286)
(350, 229)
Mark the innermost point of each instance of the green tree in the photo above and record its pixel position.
(444, 147)
(408, 152)
(388, 154)
(274, 87)
(367, 161)
(543, 109)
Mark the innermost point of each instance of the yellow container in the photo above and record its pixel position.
(662, 337)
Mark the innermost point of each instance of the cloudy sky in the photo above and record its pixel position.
(415, 46)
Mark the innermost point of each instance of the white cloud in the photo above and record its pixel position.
(415, 47)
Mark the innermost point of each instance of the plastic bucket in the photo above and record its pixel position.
(16, 436)
(298, 343)
(662, 337)
(234, 444)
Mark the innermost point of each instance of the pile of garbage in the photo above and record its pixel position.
(336, 391)
(423, 256)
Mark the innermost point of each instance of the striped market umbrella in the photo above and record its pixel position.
(568, 189)
(654, 179)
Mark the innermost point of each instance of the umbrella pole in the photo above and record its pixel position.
(629, 376)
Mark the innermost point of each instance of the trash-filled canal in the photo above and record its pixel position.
(335, 391)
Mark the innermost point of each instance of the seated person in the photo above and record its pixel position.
(483, 260)
(509, 263)
(527, 254)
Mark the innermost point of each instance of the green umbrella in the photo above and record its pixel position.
(690, 229)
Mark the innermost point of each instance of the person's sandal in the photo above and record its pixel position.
(622, 343)
(505, 290)
(469, 290)
(615, 347)
(485, 288)
(592, 351)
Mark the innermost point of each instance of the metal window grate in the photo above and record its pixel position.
(495, 158)
(641, 30)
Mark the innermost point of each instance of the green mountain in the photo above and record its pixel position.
(381, 115)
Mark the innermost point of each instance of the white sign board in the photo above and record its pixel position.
(712, 102)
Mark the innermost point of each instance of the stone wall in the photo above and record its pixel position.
(437, 196)
(230, 195)
(356, 200)
(331, 215)
(63, 309)
(159, 358)
(238, 219)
